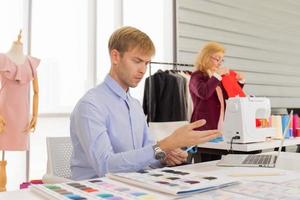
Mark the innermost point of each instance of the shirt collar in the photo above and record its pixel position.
(115, 87)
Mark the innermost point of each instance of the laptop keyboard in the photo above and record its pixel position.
(258, 159)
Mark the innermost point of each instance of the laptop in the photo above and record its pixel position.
(254, 160)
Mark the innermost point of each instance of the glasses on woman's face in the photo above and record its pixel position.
(218, 60)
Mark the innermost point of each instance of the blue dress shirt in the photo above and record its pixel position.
(109, 133)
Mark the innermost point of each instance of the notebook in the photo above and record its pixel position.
(254, 160)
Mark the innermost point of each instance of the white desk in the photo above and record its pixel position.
(270, 144)
(25, 194)
(287, 161)
(161, 130)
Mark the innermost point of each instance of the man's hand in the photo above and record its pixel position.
(175, 157)
(186, 136)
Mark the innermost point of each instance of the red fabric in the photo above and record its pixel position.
(36, 182)
(231, 85)
(298, 132)
(257, 122)
(25, 185)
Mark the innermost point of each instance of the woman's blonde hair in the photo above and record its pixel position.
(128, 38)
(203, 58)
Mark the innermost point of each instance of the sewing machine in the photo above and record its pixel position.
(240, 119)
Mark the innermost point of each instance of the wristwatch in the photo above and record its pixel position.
(159, 154)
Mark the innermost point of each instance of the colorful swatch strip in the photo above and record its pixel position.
(95, 189)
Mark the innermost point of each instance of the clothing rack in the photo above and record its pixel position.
(161, 63)
(167, 63)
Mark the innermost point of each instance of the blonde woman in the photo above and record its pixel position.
(206, 89)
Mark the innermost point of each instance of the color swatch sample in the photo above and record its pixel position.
(96, 189)
(176, 182)
(295, 125)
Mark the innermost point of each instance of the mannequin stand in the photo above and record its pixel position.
(3, 173)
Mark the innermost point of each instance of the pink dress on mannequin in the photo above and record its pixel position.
(14, 101)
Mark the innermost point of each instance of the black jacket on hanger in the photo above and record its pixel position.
(167, 99)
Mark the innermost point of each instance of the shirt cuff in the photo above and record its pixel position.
(149, 154)
(217, 76)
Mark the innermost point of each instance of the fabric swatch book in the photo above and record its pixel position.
(96, 189)
(171, 181)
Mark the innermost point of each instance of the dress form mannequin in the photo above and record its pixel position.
(16, 53)
(22, 65)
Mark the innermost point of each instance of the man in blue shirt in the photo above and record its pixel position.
(108, 127)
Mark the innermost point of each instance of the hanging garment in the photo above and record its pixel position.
(14, 101)
(187, 76)
(164, 99)
(181, 81)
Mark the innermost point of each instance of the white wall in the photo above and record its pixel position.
(155, 19)
(261, 38)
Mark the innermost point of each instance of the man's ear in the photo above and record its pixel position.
(115, 56)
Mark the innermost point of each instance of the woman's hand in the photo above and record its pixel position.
(222, 71)
(240, 76)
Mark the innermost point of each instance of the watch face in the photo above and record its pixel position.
(160, 155)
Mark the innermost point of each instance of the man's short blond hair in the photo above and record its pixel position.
(128, 38)
(203, 58)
